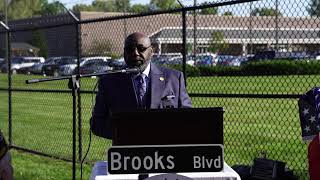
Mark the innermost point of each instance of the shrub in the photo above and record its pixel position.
(190, 70)
(256, 68)
(219, 70)
(281, 67)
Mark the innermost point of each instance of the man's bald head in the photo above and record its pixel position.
(137, 50)
(134, 37)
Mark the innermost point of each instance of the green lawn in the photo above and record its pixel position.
(27, 166)
(43, 122)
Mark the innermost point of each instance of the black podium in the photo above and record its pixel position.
(168, 126)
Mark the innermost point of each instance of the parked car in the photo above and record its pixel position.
(271, 54)
(22, 64)
(72, 68)
(158, 59)
(117, 63)
(95, 67)
(207, 59)
(2, 61)
(52, 68)
(315, 56)
(179, 60)
(37, 67)
(174, 60)
(263, 55)
(228, 60)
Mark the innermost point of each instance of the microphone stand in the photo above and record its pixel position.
(130, 70)
(74, 85)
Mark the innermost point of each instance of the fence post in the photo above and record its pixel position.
(184, 44)
(8, 60)
(78, 52)
(79, 95)
(78, 103)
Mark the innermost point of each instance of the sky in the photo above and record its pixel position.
(287, 7)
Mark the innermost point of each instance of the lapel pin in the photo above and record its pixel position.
(161, 78)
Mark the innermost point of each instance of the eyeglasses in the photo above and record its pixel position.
(139, 48)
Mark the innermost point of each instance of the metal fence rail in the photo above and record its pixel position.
(261, 112)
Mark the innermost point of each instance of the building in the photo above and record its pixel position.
(244, 35)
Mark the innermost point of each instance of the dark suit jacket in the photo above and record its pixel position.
(116, 94)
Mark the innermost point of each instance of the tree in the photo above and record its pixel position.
(212, 10)
(314, 8)
(265, 12)
(189, 48)
(101, 47)
(164, 4)
(227, 13)
(107, 6)
(83, 7)
(19, 9)
(39, 40)
(139, 8)
(2, 14)
(218, 43)
(53, 8)
(122, 5)
(102, 5)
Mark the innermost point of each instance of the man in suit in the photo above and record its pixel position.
(153, 87)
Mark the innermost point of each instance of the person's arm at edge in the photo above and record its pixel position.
(184, 99)
(100, 121)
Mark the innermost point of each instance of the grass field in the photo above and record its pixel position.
(43, 122)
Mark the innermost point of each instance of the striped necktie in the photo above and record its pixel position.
(141, 89)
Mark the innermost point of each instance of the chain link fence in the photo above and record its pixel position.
(254, 58)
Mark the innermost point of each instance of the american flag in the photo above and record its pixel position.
(309, 112)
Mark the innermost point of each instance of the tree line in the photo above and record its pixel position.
(20, 9)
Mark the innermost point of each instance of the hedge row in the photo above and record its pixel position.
(266, 67)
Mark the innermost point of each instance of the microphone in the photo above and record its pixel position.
(134, 67)
(131, 70)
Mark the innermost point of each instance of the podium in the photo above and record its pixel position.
(99, 172)
(161, 128)
(168, 126)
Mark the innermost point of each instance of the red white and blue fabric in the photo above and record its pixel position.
(309, 111)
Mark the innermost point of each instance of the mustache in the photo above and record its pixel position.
(137, 61)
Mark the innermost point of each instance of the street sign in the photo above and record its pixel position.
(165, 159)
